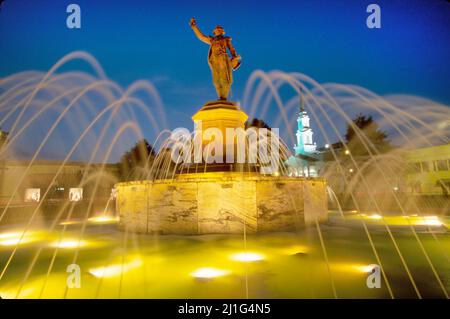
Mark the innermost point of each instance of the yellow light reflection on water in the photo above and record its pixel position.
(15, 238)
(208, 272)
(104, 219)
(247, 257)
(406, 220)
(25, 293)
(115, 269)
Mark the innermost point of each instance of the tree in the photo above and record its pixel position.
(371, 130)
(137, 159)
(258, 123)
(3, 138)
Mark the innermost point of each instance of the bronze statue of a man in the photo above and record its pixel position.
(218, 59)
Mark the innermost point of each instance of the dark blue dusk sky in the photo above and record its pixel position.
(327, 40)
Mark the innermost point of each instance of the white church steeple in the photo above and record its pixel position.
(305, 144)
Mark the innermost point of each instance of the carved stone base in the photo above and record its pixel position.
(221, 202)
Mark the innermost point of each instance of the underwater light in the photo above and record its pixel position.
(103, 219)
(14, 238)
(364, 268)
(10, 235)
(247, 257)
(208, 272)
(114, 270)
(354, 267)
(70, 222)
(432, 223)
(69, 243)
(11, 242)
(429, 221)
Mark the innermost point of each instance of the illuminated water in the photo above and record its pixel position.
(283, 265)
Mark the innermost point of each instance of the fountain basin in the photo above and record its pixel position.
(220, 202)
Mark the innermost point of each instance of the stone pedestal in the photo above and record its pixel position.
(214, 118)
(219, 115)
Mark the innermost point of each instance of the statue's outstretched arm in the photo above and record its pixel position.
(231, 48)
(199, 33)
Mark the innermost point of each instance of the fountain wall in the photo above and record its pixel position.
(220, 202)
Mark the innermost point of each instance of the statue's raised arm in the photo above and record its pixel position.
(220, 63)
(199, 33)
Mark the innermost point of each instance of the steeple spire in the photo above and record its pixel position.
(302, 106)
